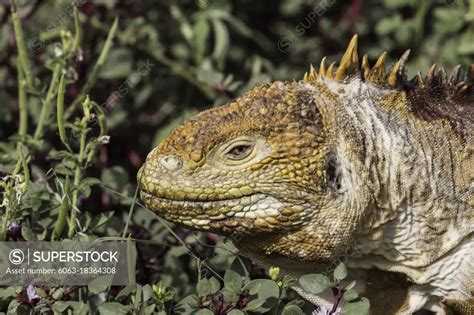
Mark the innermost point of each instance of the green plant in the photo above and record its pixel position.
(344, 295)
(84, 97)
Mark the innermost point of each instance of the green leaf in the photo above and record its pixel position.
(113, 308)
(230, 296)
(232, 281)
(96, 286)
(211, 77)
(264, 289)
(78, 308)
(27, 233)
(215, 285)
(350, 295)
(221, 43)
(360, 307)
(350, 285)
(86, 183)
(201, 33)
(292, 310)
(203, 287)
(100, 219)
(315, 283)
(60, 306)
(253, 287)
(7, 292)
(147, 292)
(90, 181)
(340, 273)
(254, 304)
(126, 291)
(235, 312)
(204, 311)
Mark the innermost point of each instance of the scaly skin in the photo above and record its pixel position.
(351, 164)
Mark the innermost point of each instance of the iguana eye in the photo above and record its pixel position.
(239, 151)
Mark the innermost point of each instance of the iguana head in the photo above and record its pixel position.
(255, 164)
(300, 166)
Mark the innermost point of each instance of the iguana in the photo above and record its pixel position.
(352, 163)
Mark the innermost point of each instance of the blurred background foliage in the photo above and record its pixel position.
(171, 59)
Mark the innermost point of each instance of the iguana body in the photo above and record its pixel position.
(349, 164)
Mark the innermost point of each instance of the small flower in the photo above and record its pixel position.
(274, 272)
(31, 293)
(14, 227)
(103, 139)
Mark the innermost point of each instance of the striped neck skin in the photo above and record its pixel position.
(396, 171)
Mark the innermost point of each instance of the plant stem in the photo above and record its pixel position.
(20, 43)
(46, 110)
(95, 70)
(77, 33)
(23, 121)
(130, 212)
(337, 300)
(8, 209)
(77, 179)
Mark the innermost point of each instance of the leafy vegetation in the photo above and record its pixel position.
(86, 92)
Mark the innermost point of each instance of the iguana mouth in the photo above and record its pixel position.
(223, 214)
(187, 199)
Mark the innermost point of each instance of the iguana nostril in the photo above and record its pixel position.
(171, 162)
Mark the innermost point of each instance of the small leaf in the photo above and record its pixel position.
(292, 310)
(101, 219)
(203, 287)
(340, 273)
(215, 285)
(236, 312)
(27, 233)
(230, 296)
(204, 311)
(360, 307)
(350, 285)
(96, 286)
(266, 290)
(253, 287)
(7, 292)
(350, 295)
(113, 308)
(315, 283)
(232, 281)
(221, 43)
(254, 304)
(201, 33)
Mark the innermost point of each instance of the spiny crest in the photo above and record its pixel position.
(395, 76)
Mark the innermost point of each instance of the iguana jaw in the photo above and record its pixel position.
(256, 211)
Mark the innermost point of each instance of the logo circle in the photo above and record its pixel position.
(285, 44)
(16, 256)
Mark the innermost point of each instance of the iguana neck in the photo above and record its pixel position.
(399, 169)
